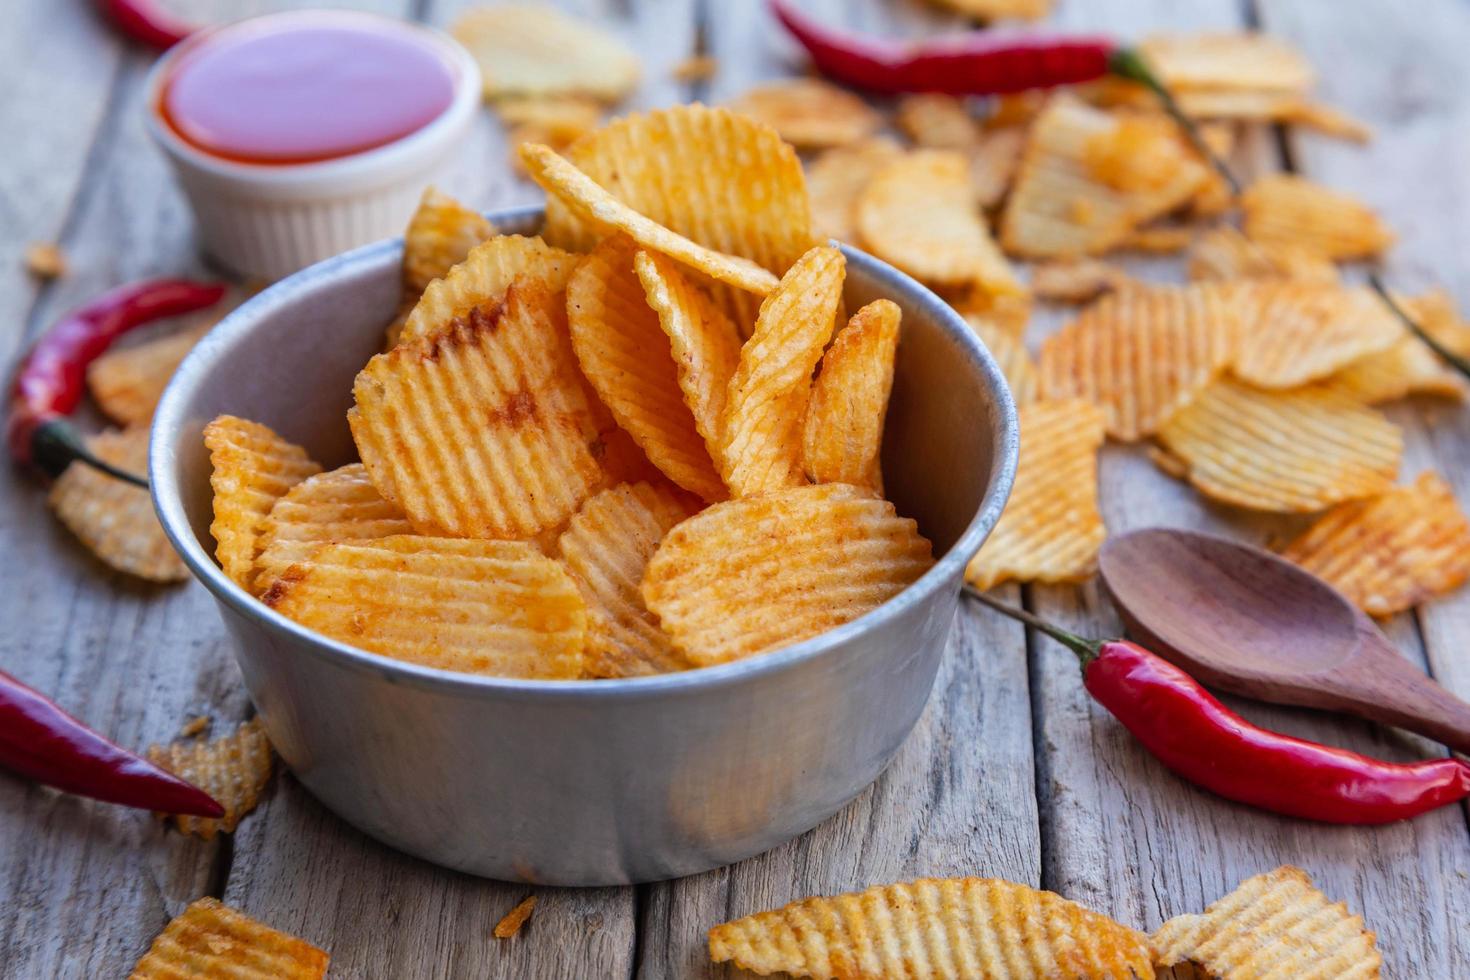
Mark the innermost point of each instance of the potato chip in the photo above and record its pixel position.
(209, 940)
(1014, 360)
(1273, 925)
(484, 428)
(1297, 332)
(838, 176)
(126, 383)
(1159, 239)
(341, 505)
(1326, 120)
(995, 9)
(561, 119)
(1010, 314)
(626, 356)
(809, 113)
(1225, 253)
(937, 122)
(1287, 210)
(526, 49)
(1438, 316)
(751, 575)
(606, 548)
(512, 921)
(1409, 367)
(113, 518)
(233, 769)
(1075, 280)
(994, 163)
(761, 441)
(480, 281)
(935, 928)
(440, 234)
(252, 469)
(1051, 529)
(1141, 353)
(919, 213)
(1227, 61)
(1391, 552)
(1288, 451)
(843, 431)
(499, 608)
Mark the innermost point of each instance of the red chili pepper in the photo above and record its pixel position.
(49, 382)
(146, 22)
(1194, 735)
(44, 743)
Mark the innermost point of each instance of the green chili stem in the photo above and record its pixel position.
(1086, 650)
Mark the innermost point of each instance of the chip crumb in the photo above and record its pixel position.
(696, 68)
(194, 726)
(517, 917)
(45, 260)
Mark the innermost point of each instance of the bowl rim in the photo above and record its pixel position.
(168, 503)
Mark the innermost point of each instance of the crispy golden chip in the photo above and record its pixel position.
(1391, 552)
(843, 432)
(1010, 314)
(511, 922)
(838, 176)
(1159, 239)
(935, 928)
(1297, 332)
(562, 119)
(1409, 367)
(1228, 61)
(1287, 210)
(1089, 177)
(606, 547)
(1014, 360)
(526, 49)
(751, 575)
(482, 429)
(994, 163)
(937, 122)
(1288, 451)
(1075, 280)
(1326, 120)
(115, 519)
(233, 769)
(809, 113)
(210, 940)
(919, 213)
(126, 383)
(252, 469)
(1437, 314)
(480, 281)
(627, 357)
(500, 608)
(1224, 253)
(341, 505)
(995, 9)
(1273, 925)
(1051, 528)
(440, 234)
(1141, 353)
(761, 437)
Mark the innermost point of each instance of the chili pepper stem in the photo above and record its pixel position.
(1086, 650)
(1447, 355)
(56, 445)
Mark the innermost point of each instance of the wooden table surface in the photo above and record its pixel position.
(1012, 772)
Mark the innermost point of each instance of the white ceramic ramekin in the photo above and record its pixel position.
(266, 221)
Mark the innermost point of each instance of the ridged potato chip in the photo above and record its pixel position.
(115, 520)
(1287, 451)
(1225, 253)
(1391, 552)
(484, 428)
(233, 769)
(1014, 360)
(994, 163)
(528, 49)
(1141, 353)
(937, 122)
(500, 608)
(627, 357)
(210, 940)
(126, 383)
(759, 573)
(1075, 280)
(935, 928)
(836, 178)
(809, 113)
(1228, 61)
(1297, 332)
(1273, 925)
(252, 469)
(480, 281)
(761, 442)
(1051, 528)
(1409, 367)
(440, 234)
(1287, 210)
(996, 9)
(340, 505)
(920, 214)
(843, 431)
(606, 548)
(557, 121)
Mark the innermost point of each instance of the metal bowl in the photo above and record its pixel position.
(583, 782)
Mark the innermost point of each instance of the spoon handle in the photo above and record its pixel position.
(1387, 688)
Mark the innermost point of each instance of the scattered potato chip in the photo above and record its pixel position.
(560, 119)
(761, 442)
(1288, 451)
(481, 279)
(511, 922)
(115, 519)
(483, 428)
(843, 431)
(209, 940)
(1159, 239)
(1011, 313)
(627, 357)
(127, 382)
(809, 113)
(440, 234)
(606, 547)
(1437, 314)
(476, 606)
(696, 68)
(340, 505)
(935, 928)
(994, 163)
(997, 9)
(252, 469)
(525, 49)
(937, 122)
(1051, 529)
(838, 176)
(1014, 360)
(233, 769)
(751, 575)
(1326, 120)
(1225, 253)
(45, 260)
(1287, 210)
(1275, 924)
(1243, 61)
(1409, 367)
(1167, 462)
(1141, 353)
(1075, 280)
(1297, 332)
(1390, 552)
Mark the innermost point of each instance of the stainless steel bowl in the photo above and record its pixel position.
(596, 782)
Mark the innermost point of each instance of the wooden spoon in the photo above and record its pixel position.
(1244, 620)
